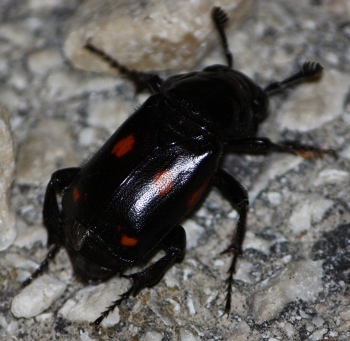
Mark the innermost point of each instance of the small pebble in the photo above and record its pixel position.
(37, 297)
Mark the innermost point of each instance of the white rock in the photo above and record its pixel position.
(18, 34)
(151, 336)
(298, 280)
(318, 334)
(318, 321)
(4, 65)
(88, 303)
(44, 316)
(3, 322)
(47, 5)
(12, 328)
(62, 86)
(241, 331)
(7, 166)
(319, 206)
(193, 233)
(12, 100)
(40, 62)
(243, 272)
(84, 335)
(109, 113)
(171, 278)
(18, 81)
(311, 105)
(274, 198)
(31, 236)
(288, 328)
(156, 36)
(14, 260)
(332, 176)
(344, 313)
(87, 136)
(43, 150)
(345, 153)
(190, 305)
(251, 241)
(186, 335)
(300, 220)
(37, 297)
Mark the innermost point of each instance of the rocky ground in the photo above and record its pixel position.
(292, 282)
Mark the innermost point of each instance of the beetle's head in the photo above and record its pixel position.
(220, 99)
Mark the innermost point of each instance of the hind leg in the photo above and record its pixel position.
(237, 195)
(52, 216)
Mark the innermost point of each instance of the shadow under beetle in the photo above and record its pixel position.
(127, 201)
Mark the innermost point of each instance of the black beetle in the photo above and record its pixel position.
(127, 201)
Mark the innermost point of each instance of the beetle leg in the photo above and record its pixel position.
(309, 71)
(142, 80)
(263, 145)
(43, 265)
(52, 216)
(236, 193)
(174, 245)
(220, 19)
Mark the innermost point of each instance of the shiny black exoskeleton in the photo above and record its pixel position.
(127, 202)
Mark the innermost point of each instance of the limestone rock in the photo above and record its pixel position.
(159, 35)
(7, 164)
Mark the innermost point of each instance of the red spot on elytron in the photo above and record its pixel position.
(128, 241)
(196, 195)
(125, 240)
(123, 146)
(76, 194)
(163, 181)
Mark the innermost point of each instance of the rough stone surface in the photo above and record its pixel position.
(307, 211)
(155, 36)
(7, 167)
(300, 280)
(299, 209)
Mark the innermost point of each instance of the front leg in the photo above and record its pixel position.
(174, 245)
(52, 215)
(51, 211)
(237, 195)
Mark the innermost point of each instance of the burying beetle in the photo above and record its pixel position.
(126, 203)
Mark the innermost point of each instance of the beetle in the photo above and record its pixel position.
(127, 201)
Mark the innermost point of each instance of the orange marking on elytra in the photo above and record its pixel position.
(163, 181)
(196, 195)
(128, 241)
(76, 194)
(125, 240)
(123, 146)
